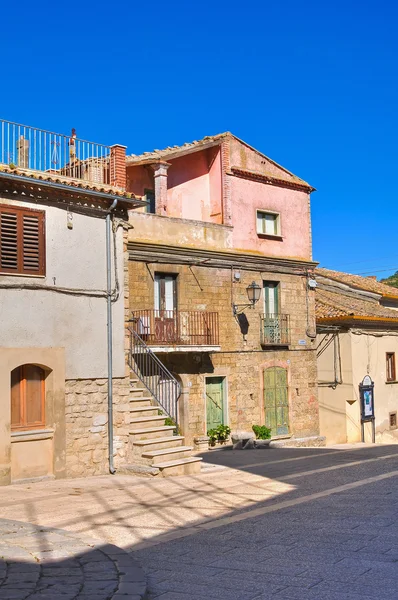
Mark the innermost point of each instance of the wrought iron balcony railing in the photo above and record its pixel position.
(176, 327)
(54, 153)
(275, 330)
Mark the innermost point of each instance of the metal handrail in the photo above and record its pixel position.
(275, 329)
(36, 149)
(158, 380)
(177, 327)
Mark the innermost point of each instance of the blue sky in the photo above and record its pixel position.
(311, 84)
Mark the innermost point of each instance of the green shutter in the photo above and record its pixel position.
(214, 401)
(276, 400)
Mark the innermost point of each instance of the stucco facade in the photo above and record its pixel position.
(356, 333)
(58, 321)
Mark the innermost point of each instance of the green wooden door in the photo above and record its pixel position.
(214, 401)
(276, 400)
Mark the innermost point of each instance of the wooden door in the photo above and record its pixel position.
(276, 400)
(165, 308)
(214, 402)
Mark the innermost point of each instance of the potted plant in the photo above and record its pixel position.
(218, 434)
(263, 436)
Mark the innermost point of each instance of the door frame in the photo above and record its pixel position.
(225, 397)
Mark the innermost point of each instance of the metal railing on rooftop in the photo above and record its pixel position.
(54, 153)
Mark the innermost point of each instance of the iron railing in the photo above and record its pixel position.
(164, 388)
(275, 330)
(68, 156)
(177, 327)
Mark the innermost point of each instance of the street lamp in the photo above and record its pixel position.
(253, 293)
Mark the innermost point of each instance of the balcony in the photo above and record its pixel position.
(275, 330)
(177, 330)
(25, 148)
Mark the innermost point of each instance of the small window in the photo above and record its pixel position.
(390, 366)
(27, 397)
(150, 201)
(393, 420)
(22, 242)
(268, 223)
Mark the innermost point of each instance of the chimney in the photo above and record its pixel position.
(160, 176)
(118, 166)
(23, 152)
(371, 277)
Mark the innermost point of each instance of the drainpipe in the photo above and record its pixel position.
(112, 469)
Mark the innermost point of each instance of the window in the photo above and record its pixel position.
(271, 297)
(268, 223)
(150, 201)
(22, 241)
(165, 292)
(27, 397)
(393, 420)
(390, 366)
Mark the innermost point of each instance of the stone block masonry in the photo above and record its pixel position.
(86, 415)
(241, 359)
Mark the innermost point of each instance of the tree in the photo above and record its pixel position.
(392, 280)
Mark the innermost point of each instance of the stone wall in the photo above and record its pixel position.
(86, 414)
(241, 358)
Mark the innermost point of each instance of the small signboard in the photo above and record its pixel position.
(366, 393)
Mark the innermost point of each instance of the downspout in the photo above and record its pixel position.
(112, 469)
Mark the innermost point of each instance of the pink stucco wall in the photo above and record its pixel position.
(194, 187)
(140, 178)
(248, 196)
(195, 192)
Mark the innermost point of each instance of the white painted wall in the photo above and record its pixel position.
(76, 258)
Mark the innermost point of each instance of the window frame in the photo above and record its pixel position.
(150, 202)
(391, 373)
(278, 226)
(24, 425)
(20, 212)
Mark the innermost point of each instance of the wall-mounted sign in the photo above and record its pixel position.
(366, 394)
(302, 342)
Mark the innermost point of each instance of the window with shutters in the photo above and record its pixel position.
(22, 241)
(27, 397)
(268, 223)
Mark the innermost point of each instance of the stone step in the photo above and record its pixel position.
(181, 466)
(136, 392)
(152, 432)
(141, 399)
(144, 411)
(140, 422)
(154, 457)
(138, 446)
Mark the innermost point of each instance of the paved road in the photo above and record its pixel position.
(299, 524)
(332, 536)
(39, 563)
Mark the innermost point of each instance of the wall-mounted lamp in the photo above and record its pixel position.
(253, 293)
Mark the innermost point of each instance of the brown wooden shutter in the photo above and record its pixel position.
(9, 241)
(22, 241)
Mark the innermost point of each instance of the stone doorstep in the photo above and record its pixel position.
(315, 441)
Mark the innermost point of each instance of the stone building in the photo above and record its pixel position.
(220, 217)
(55, 373)
(357, 324)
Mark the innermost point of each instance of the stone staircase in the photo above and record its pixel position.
(154, 449)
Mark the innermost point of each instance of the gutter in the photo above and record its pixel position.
(108, 222)
(135, 203)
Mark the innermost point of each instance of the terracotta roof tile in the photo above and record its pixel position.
(357, 282)
(74, 183)
(171, 150)
(334, 304)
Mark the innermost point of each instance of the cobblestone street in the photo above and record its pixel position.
(299, 524)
